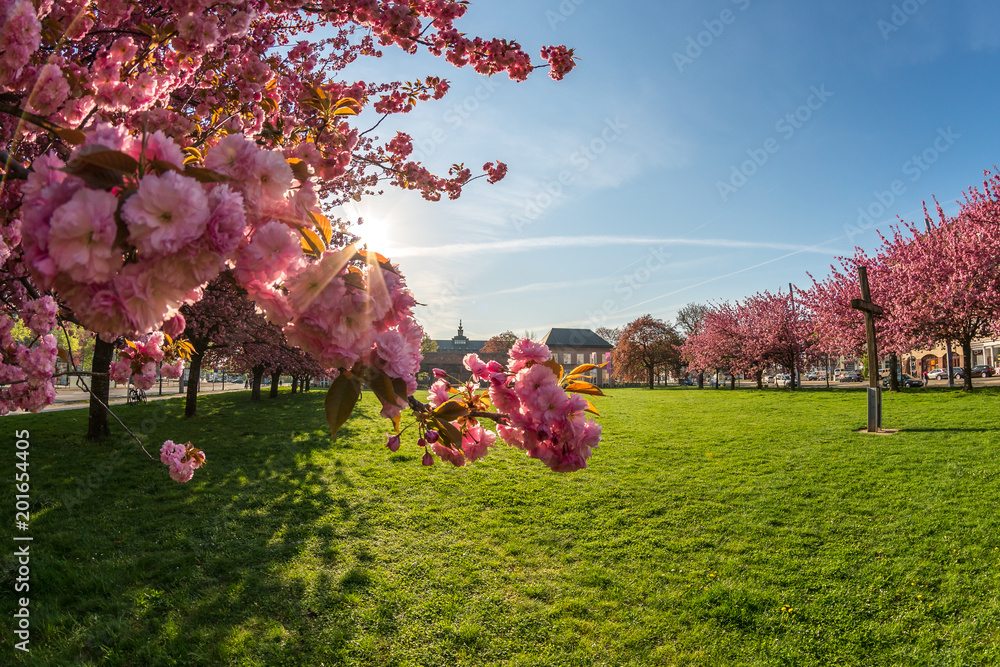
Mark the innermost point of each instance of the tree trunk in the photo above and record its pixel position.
(191, 402)
(967, 353)
(760, 379)
(295, 383)
(732, 381)
(651, 376)
(701, 379)
(100, 386)
(794, 382)
(893, 372)
(308, 382)
(258, 375)
(275, 379)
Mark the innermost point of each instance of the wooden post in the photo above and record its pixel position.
(870, 310)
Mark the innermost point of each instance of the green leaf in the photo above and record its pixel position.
(340, 401)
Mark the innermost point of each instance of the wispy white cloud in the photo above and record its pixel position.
(530, 244)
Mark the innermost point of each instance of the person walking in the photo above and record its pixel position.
(926, 378)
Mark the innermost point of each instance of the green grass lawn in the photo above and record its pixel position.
(713, 527)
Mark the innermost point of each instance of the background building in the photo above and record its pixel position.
(572, 347)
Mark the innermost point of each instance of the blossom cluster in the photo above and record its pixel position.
(345, 315)
(535, 412)
(182, 460)
(178, 232)
(140, 361)
(26, 371)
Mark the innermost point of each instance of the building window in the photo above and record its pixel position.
(579, 358)
(593, 357)
(567, 358)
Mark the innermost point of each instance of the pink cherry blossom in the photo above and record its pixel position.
(167, 212)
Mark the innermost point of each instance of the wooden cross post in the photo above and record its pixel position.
(871, 311)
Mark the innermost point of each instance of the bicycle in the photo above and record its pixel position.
(135, 396)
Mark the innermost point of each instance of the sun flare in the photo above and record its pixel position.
(376, 234)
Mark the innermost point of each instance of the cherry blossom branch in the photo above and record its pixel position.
(83, 385)
(12, 167)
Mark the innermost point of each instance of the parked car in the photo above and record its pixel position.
(783, 380)
(904, 381)
(768, 378)
(816, 375)
(981, 372)
(686, 382)
(938, 374)
(852, 376)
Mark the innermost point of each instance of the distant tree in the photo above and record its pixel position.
(690, 316)
(609, 334)
(500, 344)
(688, 319)
(428, 344)
(645, 345)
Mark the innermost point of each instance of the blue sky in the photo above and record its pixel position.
(701, 151)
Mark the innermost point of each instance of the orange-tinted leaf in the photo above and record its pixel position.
(381, 386)
(299, 169)
(450, 434)
(584, 388)
(340, 401)
(162, 166)
(322, 223)
(591, 409)
(585, 368)
(108, 159)
(312, 242)
(400, 386)
(556, 368)
(70, 136)
(451, 410)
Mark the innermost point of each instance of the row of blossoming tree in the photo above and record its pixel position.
(938, 281)
(150, 148)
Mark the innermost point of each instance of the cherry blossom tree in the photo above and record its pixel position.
(223, 318)
(717, 341)
(146, 147)
(947, 278)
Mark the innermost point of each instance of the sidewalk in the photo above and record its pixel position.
(72, 398)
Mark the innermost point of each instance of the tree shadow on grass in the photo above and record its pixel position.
(950, 430)
(250, 562)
